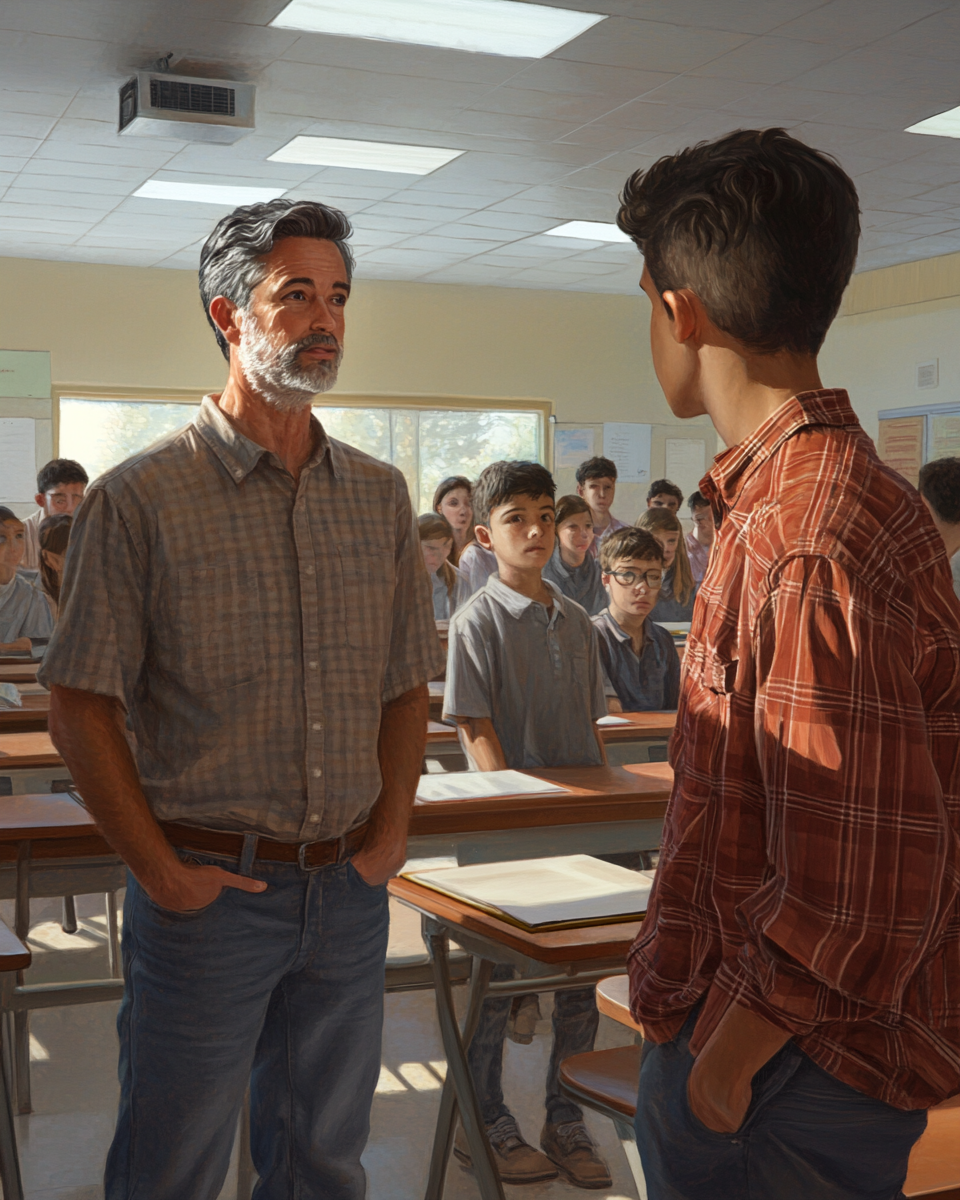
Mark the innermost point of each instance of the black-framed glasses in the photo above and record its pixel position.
(653, 580)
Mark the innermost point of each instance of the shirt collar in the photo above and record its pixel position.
(239, 454)
(621, 634)
(516, 604)
(733, 468)
(7, 588)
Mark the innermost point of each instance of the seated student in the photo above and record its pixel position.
(452, 500)
(940, 489)
(678, 589)
(571, 567)
(60, 487)
(639, 658)
(54, 539)
(24, 613)
(436, 544)
(597, 484)
(700, 538)
(664, 494)
(524, 686)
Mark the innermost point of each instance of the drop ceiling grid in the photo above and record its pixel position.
(545, 141)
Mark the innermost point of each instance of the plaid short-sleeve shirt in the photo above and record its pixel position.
(252, 626)
(810, 868)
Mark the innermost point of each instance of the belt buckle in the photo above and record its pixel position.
(305, 846)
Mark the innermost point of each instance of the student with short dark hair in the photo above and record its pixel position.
(699, 540)
(664, 494)
(436, 544)
(24, 614)
(679, 588)
(797, 974)
(940, 489)
(525, 688)
(597, 484)
(61, 484)
(54, 539)
(639, 659)
(571, 566)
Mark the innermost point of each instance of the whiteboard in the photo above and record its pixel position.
(18, 460)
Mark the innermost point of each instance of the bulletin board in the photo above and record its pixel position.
(910, 437)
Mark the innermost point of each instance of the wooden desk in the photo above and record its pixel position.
(32, 717)
(18, 670)
(604, 810)
(643, 726)
(14, 957)
(27, 750)
(549, 961)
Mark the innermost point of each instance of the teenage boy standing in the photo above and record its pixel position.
(597, 484)
(60, 486)
(700, 538)
(524, 686)
(798, 972)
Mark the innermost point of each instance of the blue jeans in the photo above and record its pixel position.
(282, 989)
(575, 1021)
(806, 1135)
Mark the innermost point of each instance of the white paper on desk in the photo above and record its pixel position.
(481, 785)
(436, 687)
(544, 891)
(10, 696)
(610, 719)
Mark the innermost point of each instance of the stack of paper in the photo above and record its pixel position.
(547, 893)
(10, 696)
(610, 719)
(481, 785)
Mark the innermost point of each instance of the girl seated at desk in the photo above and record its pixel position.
(436, 543)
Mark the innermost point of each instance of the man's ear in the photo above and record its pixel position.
(483, 536)
(686, 313)
(224, 314)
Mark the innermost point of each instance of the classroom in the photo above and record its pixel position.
(479, 600)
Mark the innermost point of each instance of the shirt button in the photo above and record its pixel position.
(314, 665)
(314, 819)
(310, 570)
(317, 726)
(317, 772)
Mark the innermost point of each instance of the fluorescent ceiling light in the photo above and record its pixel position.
(482, 26)
(207, 193)
(590, 231)
(945, 124)
(364, 156)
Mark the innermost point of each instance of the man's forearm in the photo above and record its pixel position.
(400, 749)
(482, 743)
(87, 730)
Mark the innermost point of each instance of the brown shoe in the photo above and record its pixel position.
(573, 1150)
(516, 1161)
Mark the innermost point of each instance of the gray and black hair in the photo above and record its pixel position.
(231, 261)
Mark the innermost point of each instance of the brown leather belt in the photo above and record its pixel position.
(309, 856)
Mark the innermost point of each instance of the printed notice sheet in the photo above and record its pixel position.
(481, 785)
(547, 891)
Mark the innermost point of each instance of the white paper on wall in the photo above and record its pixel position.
(571, 447)
(685, 462)
(18, 460)
(628, 445)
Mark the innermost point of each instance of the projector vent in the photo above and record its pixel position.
(192, 97)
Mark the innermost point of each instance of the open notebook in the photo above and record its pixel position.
(541, 894)
(481, 785)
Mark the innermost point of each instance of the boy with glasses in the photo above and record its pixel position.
(639, 657)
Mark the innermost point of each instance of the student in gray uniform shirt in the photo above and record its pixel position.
(436, 545)
(525, 688)
(639, 659)
(24, 612)
(571, 567)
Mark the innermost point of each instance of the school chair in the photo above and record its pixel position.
(14, 956)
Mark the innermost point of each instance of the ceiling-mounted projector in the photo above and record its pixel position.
(158, 104)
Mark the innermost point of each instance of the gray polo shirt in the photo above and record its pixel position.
(445, 604)
(24, 611)
(668, 607)
(535, 675)
(252, 626)
(582, 584)
(648, 683)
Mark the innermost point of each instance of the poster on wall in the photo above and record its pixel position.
(900, 445)
(571, 447)
(18, 460)
(25, 374)
(945, 435)
(685, 462)
(628, 445)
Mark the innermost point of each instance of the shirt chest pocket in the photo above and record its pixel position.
(218, 639)
(362, 587)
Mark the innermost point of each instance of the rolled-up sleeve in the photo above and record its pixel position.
(101, 634)
(863, 860)
(415, 654)
(470, 673)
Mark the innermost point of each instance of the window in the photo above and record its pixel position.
(425, 443)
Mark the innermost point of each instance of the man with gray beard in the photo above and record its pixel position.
(272, 673)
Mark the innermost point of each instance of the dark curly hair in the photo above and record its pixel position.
(940, 487)
(501, 480)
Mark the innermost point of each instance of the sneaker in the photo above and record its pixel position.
(571, 1147)
(516, 1161)
(524, 1015)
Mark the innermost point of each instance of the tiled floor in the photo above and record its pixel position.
(63, 1143)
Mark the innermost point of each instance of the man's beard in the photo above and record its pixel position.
(277, 375)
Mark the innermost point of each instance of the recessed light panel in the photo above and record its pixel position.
(207, 193)
(481, 26)
(364, 156)
(945, 124)
(590, 231)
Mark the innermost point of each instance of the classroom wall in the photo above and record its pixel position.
(140, 327)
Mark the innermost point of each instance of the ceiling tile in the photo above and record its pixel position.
(649, 45)
(771, 60)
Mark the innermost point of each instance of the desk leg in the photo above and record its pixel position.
(9, 1159)
(21, 1018)
(458, 1069)
(480, 974)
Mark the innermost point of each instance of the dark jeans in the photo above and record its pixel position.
(282, 989)
(575, 1021)
(806, 1136)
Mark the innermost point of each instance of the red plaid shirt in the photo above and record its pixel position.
(810, 866)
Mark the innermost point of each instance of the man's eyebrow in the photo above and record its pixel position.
(345, 287)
